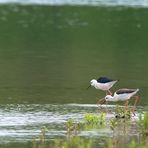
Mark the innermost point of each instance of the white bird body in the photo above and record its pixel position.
(102, 86)
(121, 95)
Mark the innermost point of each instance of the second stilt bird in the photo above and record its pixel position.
(121, 95)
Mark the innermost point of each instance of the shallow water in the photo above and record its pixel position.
(50, 50)
(20, 123)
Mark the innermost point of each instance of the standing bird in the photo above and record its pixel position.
(103, 83)
(122, 95)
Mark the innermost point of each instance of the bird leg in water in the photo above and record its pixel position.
(106, 106)
(99, 103)
(108, 92)
(136, 99)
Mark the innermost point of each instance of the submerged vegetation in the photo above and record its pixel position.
(120, 127)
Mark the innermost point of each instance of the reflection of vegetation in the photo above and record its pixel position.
(40, 140)
(119, 126)
(73, 142)
(143, 124)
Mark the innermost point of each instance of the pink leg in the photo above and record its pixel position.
(106, 106)
(99, 103)
(136, 99)
(108, 92)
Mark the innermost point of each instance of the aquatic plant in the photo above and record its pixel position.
(143, 123)
(132, 144)
(113, 123)
(40, 140)
(91, 119)
(102, 118)
(73, 142)
(73, 128)
(143, 144)
(94, 119)
(112, 143)
(146, 121)
(121, 112)
(72, 139)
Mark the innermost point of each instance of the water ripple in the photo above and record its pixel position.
(127, 3)
(21, 122)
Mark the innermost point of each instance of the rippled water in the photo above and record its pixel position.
(128, 3)
(20, 123)
(49, 54)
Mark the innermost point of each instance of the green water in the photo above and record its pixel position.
(48, 54)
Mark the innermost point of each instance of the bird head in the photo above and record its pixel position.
(92, 83)
(108, 98)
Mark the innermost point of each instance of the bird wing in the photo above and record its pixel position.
(125, 91)
(104, 80)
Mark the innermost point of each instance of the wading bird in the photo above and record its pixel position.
(121, 95)
(103, 83)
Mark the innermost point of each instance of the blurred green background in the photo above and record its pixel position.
(48, 54)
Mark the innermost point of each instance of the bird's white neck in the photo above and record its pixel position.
(96, 84)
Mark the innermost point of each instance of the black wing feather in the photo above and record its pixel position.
(124, 91)
(104, 80)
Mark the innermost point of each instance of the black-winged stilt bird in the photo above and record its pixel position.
(121, 95)
(103, 83)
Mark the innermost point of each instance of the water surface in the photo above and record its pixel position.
(48, 54)
(127, 3)
(50, 50)
(21, 123)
